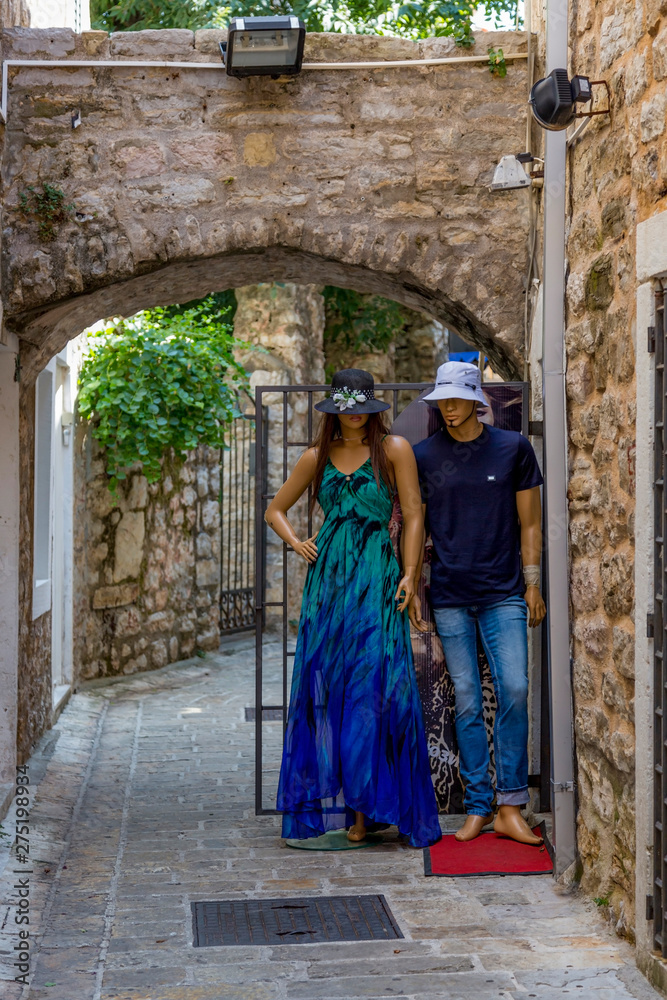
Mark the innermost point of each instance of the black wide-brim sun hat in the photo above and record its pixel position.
(352, 392)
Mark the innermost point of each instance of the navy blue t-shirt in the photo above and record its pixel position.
(469, 489)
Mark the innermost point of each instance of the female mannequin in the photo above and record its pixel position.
(355, 739)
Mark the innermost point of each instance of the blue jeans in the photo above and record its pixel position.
(502, 629)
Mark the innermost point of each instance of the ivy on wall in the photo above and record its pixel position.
(48, 207)
(160, 381)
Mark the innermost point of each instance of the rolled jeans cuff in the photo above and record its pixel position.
(519, 797)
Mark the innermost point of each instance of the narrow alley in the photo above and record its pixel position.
(142, 803)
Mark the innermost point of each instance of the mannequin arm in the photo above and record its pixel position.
(415, 608)
(402, 458)
(529, 508)
(286, 497)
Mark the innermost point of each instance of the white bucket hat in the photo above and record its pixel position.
(457, 380)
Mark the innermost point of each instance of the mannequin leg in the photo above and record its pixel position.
(503, 632)
(358, 831)
(458, 633)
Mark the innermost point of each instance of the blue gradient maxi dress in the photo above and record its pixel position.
(355, 735)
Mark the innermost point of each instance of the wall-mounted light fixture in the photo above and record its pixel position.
(554, 99)
(264, 46)
(509, 174)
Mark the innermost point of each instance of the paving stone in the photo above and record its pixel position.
(372, 965)
(410, 985)
(164, 975)
(253, 972)
(65, 987)
(587, 980)
(141, 942)
(223, 991)
(348, 951)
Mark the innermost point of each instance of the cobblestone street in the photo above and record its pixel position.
(144, 803)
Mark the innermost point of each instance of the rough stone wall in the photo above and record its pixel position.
(287, 320)
(618, 177)
(418, 350)
(34, 668)
(184, 181)
(147, 586)
(14, 14)
(34, 689)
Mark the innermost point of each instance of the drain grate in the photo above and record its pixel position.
(268, 714)
(293, 921)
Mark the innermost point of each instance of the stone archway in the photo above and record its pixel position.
(185, 181)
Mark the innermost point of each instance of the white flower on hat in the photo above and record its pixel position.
(346, 399)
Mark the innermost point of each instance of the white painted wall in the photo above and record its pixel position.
(73, 14)
(9, 564)
(651, 264)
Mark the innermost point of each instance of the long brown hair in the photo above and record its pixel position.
(329, 430)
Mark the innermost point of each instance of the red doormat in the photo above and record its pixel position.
(488, 854)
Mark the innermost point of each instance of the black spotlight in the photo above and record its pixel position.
(554, 99)
(264, 46)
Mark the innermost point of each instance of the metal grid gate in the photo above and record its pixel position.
(272, 404)
(656, 627)
(237, 523)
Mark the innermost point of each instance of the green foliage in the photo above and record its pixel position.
(48, 207)
(602, 900)
(360, 322)
(135, 15)
(409, 19)
(497, 64)
(160, 381)
(219, 307)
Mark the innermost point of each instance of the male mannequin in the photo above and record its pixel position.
(480, 489)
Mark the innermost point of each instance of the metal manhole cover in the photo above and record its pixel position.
(268, 714)
(293, 921)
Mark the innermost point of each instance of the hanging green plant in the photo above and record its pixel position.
(48, 206)
(160, 381)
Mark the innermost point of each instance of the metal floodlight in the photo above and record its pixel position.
(553, 100)
(264, 46)
(509, 174)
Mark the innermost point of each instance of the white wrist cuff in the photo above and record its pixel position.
(531, 576)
